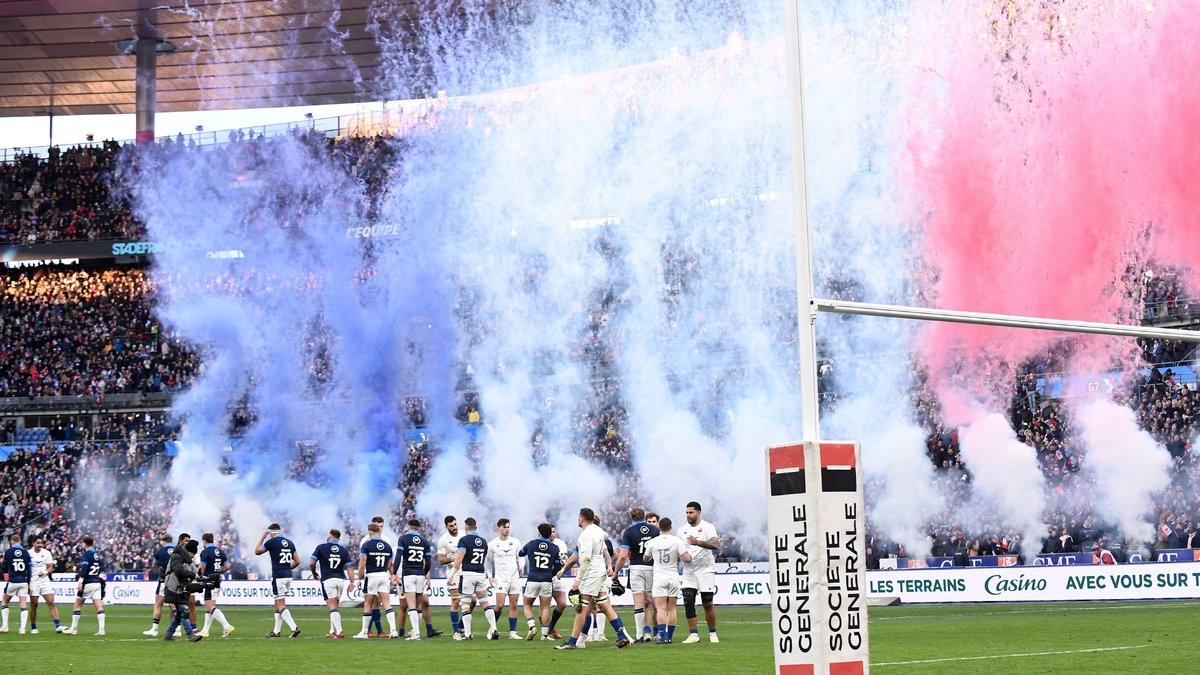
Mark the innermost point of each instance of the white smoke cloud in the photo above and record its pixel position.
(1006, 476)
(1127, 465)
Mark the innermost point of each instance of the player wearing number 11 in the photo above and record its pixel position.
(283, 561)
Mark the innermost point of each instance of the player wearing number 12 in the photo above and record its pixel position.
(328, 564)
(283, 561)
(412, 551)
(544, 562)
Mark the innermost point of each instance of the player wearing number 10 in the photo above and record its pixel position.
(331, 557)
(16, 564)
(283, 561)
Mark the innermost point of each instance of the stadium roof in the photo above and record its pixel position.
(62, 55)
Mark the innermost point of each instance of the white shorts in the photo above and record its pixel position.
(452, 584)
(666, 586)
(333, 588)
(91, 592)
(158, 588)
(641, 578)
(471, 583)
(510, 586)
(538, 589)
(413, 583)
(41, 586)
(594, 585)
(562, 585)
(17, 590)
(281, 587)
(209, 594)
(378, 582)
(704, 581)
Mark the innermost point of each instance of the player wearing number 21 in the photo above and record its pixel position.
(283, 561)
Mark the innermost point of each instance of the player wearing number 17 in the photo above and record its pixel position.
(283, 561)
(331, 559)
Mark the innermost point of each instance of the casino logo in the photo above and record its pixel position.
(123, 593)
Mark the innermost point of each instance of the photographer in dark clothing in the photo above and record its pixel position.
(179, 585)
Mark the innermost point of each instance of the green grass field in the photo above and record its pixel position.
(1069, 637)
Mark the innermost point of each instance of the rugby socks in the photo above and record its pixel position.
(671, 632)
(587, 626)
(375, 620)
(712, 630)
(466, 622)
(278, 621)
(429, 628)
(208, 617)
(619, 627)
(662, 632)
(455, 624)
(366, 621)
(490, 613)
(639, 620)
(529, 622)
(4, 617)
(391, 617)
(287, 618)
(554, 617)
(512, 624)
(220, 617)
(694, 631)
(335, 621)
(57, 624)
(100, 619)
(24, 618)
(414, 620)
(75, 620)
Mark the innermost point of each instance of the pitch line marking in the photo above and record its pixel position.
(1009, 656)
(1097, 608)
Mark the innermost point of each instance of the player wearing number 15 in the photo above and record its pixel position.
(328, 563)
(283, 561)
(412, 551)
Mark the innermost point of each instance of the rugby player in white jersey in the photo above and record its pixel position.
(594, 569)
(447, 546)
(504, 564)
(699, 574)
(665, 551)
(43, 564)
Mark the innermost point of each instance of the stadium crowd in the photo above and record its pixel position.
(91, 332)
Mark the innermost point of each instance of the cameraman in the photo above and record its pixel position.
(179, 586)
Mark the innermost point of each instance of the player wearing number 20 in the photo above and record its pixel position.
(283, 561)
(412, 550)
(328, 563)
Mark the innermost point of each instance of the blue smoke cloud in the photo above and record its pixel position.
(633, 191)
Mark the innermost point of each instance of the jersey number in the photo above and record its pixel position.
(416, 555)
(541, 561)
(664, 556)
(285, 557)
(335, 562)
(380, 559)
(18, 566)
(477, 557)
